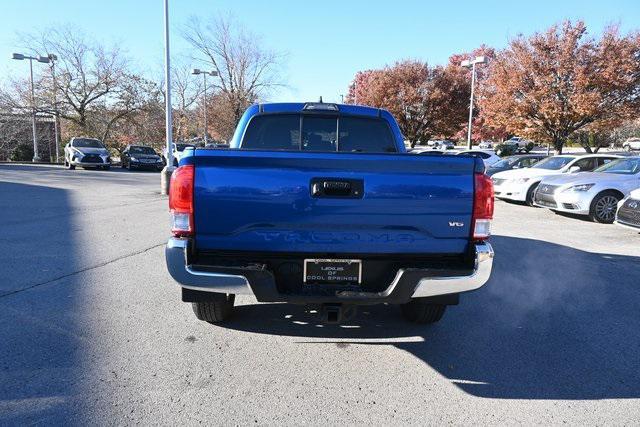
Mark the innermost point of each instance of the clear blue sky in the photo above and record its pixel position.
(327, 41)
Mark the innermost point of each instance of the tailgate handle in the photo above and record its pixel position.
(337, 188)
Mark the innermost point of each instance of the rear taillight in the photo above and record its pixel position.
(181, 201)
(482, 207)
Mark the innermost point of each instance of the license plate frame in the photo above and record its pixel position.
(326, 271)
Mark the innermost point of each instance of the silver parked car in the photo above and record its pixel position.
(628, 214)
(87, 153)
(520, 184)
(595, 194)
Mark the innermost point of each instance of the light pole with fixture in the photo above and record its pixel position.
(53, 58)
(355, 93)
(165, 175)
(471, 63)
(196, 72)
(44, 60)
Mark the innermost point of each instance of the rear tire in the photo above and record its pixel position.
(530, 194)
(603, 207)
(420, 310)
(219, 309)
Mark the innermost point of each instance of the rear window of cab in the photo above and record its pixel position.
(301, 132)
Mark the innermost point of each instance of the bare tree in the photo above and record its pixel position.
(133, 96)
(186, 90)
(629, 129)
(93, 85)
(247, 71)
(88, 74)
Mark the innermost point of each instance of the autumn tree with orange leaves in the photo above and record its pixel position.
(553, 84)
(426, 101)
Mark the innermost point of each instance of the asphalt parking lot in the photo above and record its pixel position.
(93, 329)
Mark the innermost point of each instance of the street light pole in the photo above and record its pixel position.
(53, 58)
(195, 72)
(204, 75)
(165, 176)
(355, 93)
(36, 158)
(473, 86)
(46, 60)
(472, 64)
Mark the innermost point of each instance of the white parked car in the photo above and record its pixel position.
(628, 214)
(87, 153)
(489, 157)
(631, 144)
(595, 194)
(520, 184)
(443, 145)
(178, 151)
(519, 141)
(485, 145)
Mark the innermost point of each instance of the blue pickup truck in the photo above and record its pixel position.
(320, 204)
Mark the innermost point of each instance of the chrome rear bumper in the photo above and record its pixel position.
(432, 286)
(183, 273)
(408, 283)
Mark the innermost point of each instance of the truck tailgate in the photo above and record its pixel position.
(256, 201)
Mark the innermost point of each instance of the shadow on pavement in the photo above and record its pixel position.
(553, 323)
(41, 364)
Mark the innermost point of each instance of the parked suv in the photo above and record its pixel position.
(86, 152)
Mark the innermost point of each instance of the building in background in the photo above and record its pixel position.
(16, 137)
